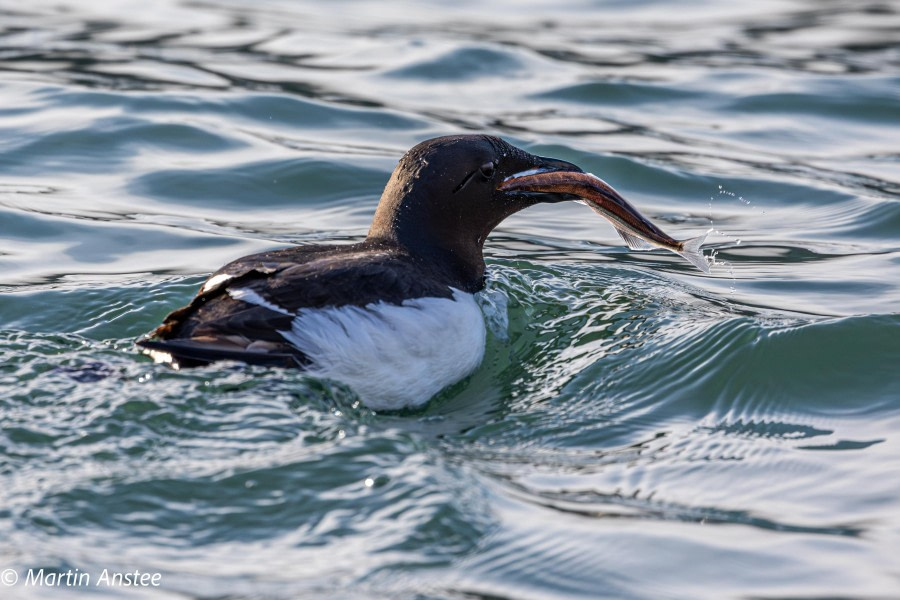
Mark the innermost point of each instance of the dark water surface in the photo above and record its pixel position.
(638, 429)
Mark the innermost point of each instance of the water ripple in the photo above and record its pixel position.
(637, 429)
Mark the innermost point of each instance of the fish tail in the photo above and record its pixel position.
(690, 250)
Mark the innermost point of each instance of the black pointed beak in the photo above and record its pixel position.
(518, 183)
(550, 165)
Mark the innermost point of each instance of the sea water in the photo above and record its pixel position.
(637, 429)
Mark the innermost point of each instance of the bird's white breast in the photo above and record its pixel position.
(393, 356)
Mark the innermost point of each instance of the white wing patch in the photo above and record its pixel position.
(393, 356)
(251, 297)
(215, 281)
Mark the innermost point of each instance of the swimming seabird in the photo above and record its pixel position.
(394, 316)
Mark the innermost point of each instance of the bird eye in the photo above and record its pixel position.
(487, 170)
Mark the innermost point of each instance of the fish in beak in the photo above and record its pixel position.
(637, 231)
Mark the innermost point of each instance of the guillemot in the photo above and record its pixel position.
(394, 316)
